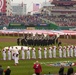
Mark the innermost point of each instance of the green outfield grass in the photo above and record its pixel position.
(25, 67)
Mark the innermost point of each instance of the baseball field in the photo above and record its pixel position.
(25, 67)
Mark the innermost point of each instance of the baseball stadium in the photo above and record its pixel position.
(40, 42)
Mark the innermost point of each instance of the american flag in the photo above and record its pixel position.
(35, 7)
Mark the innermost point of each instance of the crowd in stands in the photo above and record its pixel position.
(27, 20)
(63, 8)
(4, 20)
(62, 20)
(37, 19)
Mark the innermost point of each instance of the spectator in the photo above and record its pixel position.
(7, 71)
(61, 70)
(38, 68)
(1, 70)
(70, 70)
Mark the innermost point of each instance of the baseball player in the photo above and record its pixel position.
(75, 51)
(60, 51)
(9, 53)
(28, 53)
(33, 53)
(71, 50)
(64, 51)
(68, 51)
(50, 52)
(45, 52)
(39, 52)
(23, 52)
(4, 53)
(54, 51)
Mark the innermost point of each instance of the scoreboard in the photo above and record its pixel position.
(15, 24)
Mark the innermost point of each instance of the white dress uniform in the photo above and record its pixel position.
(33, 53)
(54, 51)
(9, 53)
(12, 52)
(45, 52)
(17, 52)
(60, 51)
(16, 58)
(28, 53)
(50, 52)
(68, 51)
(4, 54)
(75, 51)
(64, 51)
(23, 52)
(71, 50)
(39, 52)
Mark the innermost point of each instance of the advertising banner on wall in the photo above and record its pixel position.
(3, 6)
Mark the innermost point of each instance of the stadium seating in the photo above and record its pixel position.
(68, 21)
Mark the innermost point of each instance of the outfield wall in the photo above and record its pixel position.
(49, 26)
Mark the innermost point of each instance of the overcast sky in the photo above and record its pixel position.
(29, 3)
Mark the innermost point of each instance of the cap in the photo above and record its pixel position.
(8, 66)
